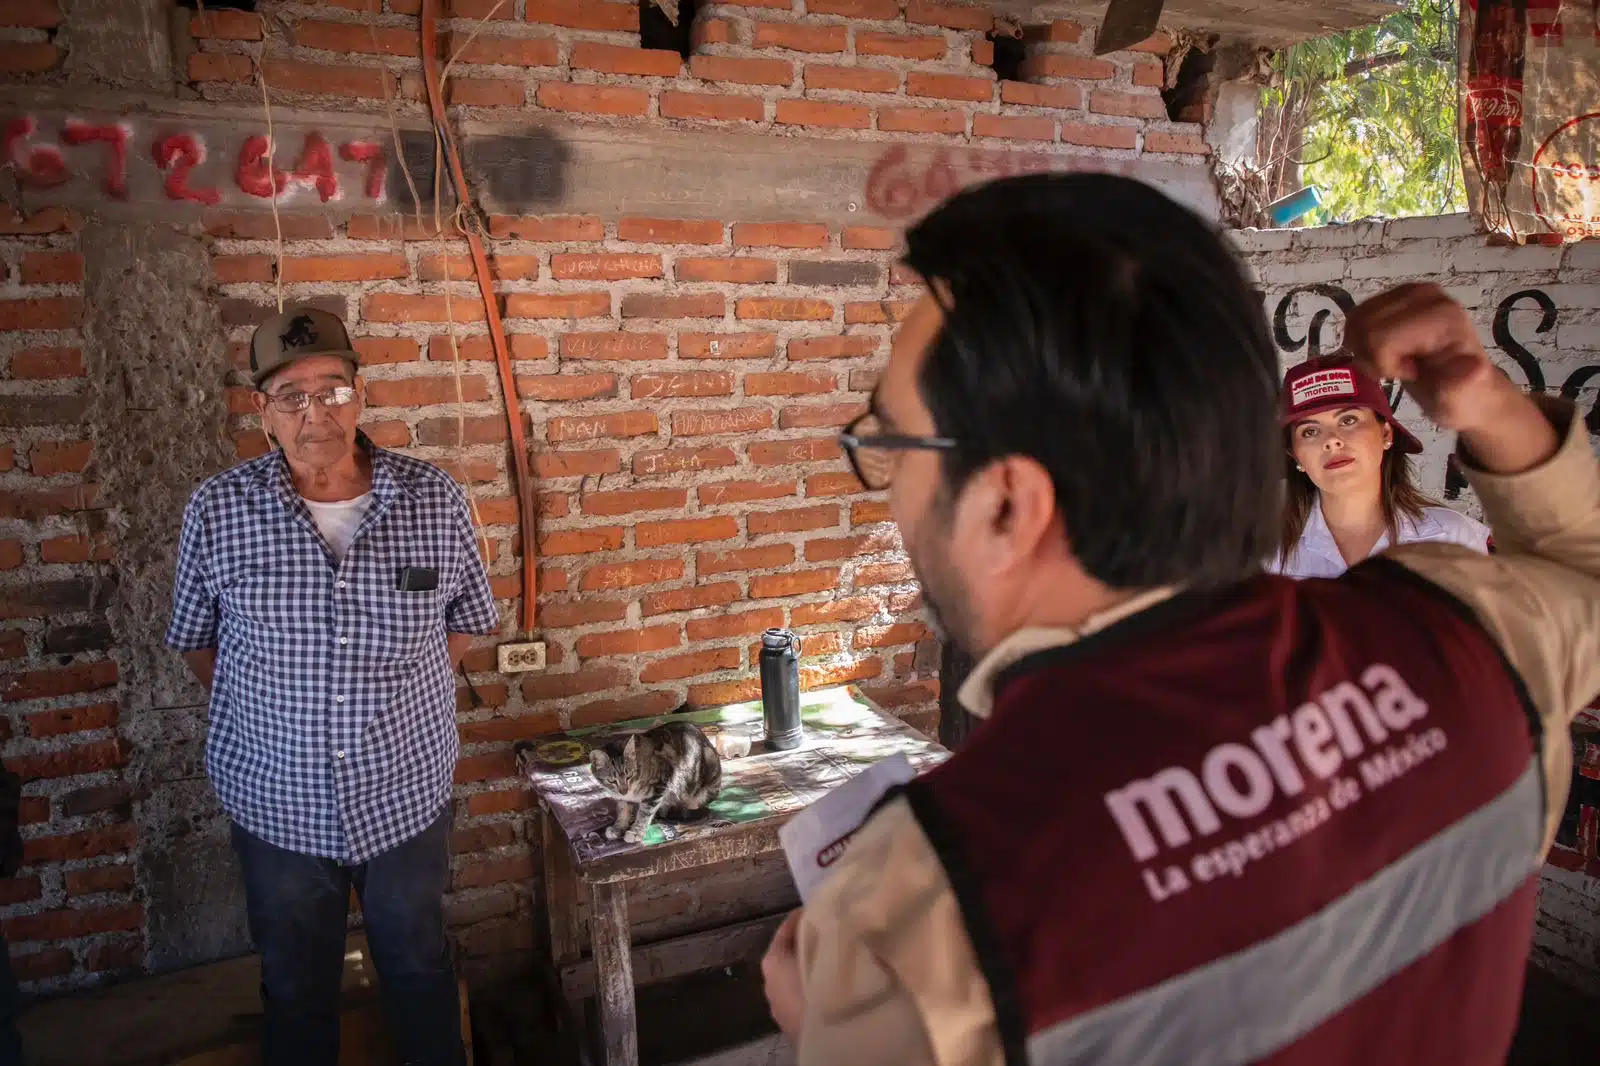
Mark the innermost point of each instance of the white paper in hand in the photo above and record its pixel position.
(815, 839)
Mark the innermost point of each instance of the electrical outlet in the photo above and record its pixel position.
(521, 658)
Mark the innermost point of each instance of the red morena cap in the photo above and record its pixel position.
(1332, 383)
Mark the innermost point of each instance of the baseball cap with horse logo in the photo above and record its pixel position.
(298, 333)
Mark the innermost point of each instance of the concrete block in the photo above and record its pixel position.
(1565, 294)
(187, 864)
(1309, 272)
(1346, 236)
(120, 43)
(1461, 224)
(1584, 255)
(1579, 336)
(1566, 935)
(1231, 133)
(1528, 257)
(158, 364)
(1397, 265)
(1467, 295)
(1262, 240)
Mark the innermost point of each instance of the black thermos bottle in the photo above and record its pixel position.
(780, 688)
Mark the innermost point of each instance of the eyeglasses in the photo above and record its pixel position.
(871, 451)
(294, 402)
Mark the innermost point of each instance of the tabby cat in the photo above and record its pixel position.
(671, 769)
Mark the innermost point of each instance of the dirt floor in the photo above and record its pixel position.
(690, 1020)
(711, 1019)
(720, 1019)
(1560, 1025)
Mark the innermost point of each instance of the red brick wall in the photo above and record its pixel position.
(681, 381)
(72, 908)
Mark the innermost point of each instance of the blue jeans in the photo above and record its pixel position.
(297, 907)
(10, 1003)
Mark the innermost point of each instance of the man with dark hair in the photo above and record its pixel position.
(325, 594)
(1213, 816)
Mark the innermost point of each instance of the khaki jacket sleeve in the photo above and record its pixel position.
(1539, 595)
(889, 974)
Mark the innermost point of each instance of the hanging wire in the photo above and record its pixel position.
(455, 355)
(272, 180)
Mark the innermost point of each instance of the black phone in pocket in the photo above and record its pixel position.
(417, 579)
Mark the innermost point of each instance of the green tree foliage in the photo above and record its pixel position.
(1369, 116)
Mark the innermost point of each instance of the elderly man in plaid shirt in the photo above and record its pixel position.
(325, 594)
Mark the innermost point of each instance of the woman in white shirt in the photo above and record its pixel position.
(1350, 493)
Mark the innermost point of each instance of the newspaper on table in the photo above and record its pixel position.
(844, 735)
(815, 839)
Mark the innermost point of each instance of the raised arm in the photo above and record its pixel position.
(1534, 471)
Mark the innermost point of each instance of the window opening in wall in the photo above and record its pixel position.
(657, 30)
(1367, 119)
(1009, 52)
(1186, 100)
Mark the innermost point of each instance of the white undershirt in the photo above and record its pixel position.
(337, 521)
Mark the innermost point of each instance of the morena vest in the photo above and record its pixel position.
(1287, 822)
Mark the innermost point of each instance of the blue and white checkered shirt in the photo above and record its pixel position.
(333, 726)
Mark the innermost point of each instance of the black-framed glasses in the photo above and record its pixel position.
(294, 402)
(872, 452)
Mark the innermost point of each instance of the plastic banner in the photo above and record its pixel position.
(1530, 117)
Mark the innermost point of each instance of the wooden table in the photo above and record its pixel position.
(843, 735)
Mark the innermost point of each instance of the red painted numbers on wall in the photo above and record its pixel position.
(370, 153)
(114, 135)
(198, 165)
(37, 165)
(177, 154)
(903, 185)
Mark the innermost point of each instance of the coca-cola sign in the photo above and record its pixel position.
(1500, 105)
(1529, 128)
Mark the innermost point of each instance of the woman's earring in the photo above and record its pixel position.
(1300, 468)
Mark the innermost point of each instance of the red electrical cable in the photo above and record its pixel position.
(522, 482)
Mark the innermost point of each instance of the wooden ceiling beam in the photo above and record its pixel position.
(1273, 22)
